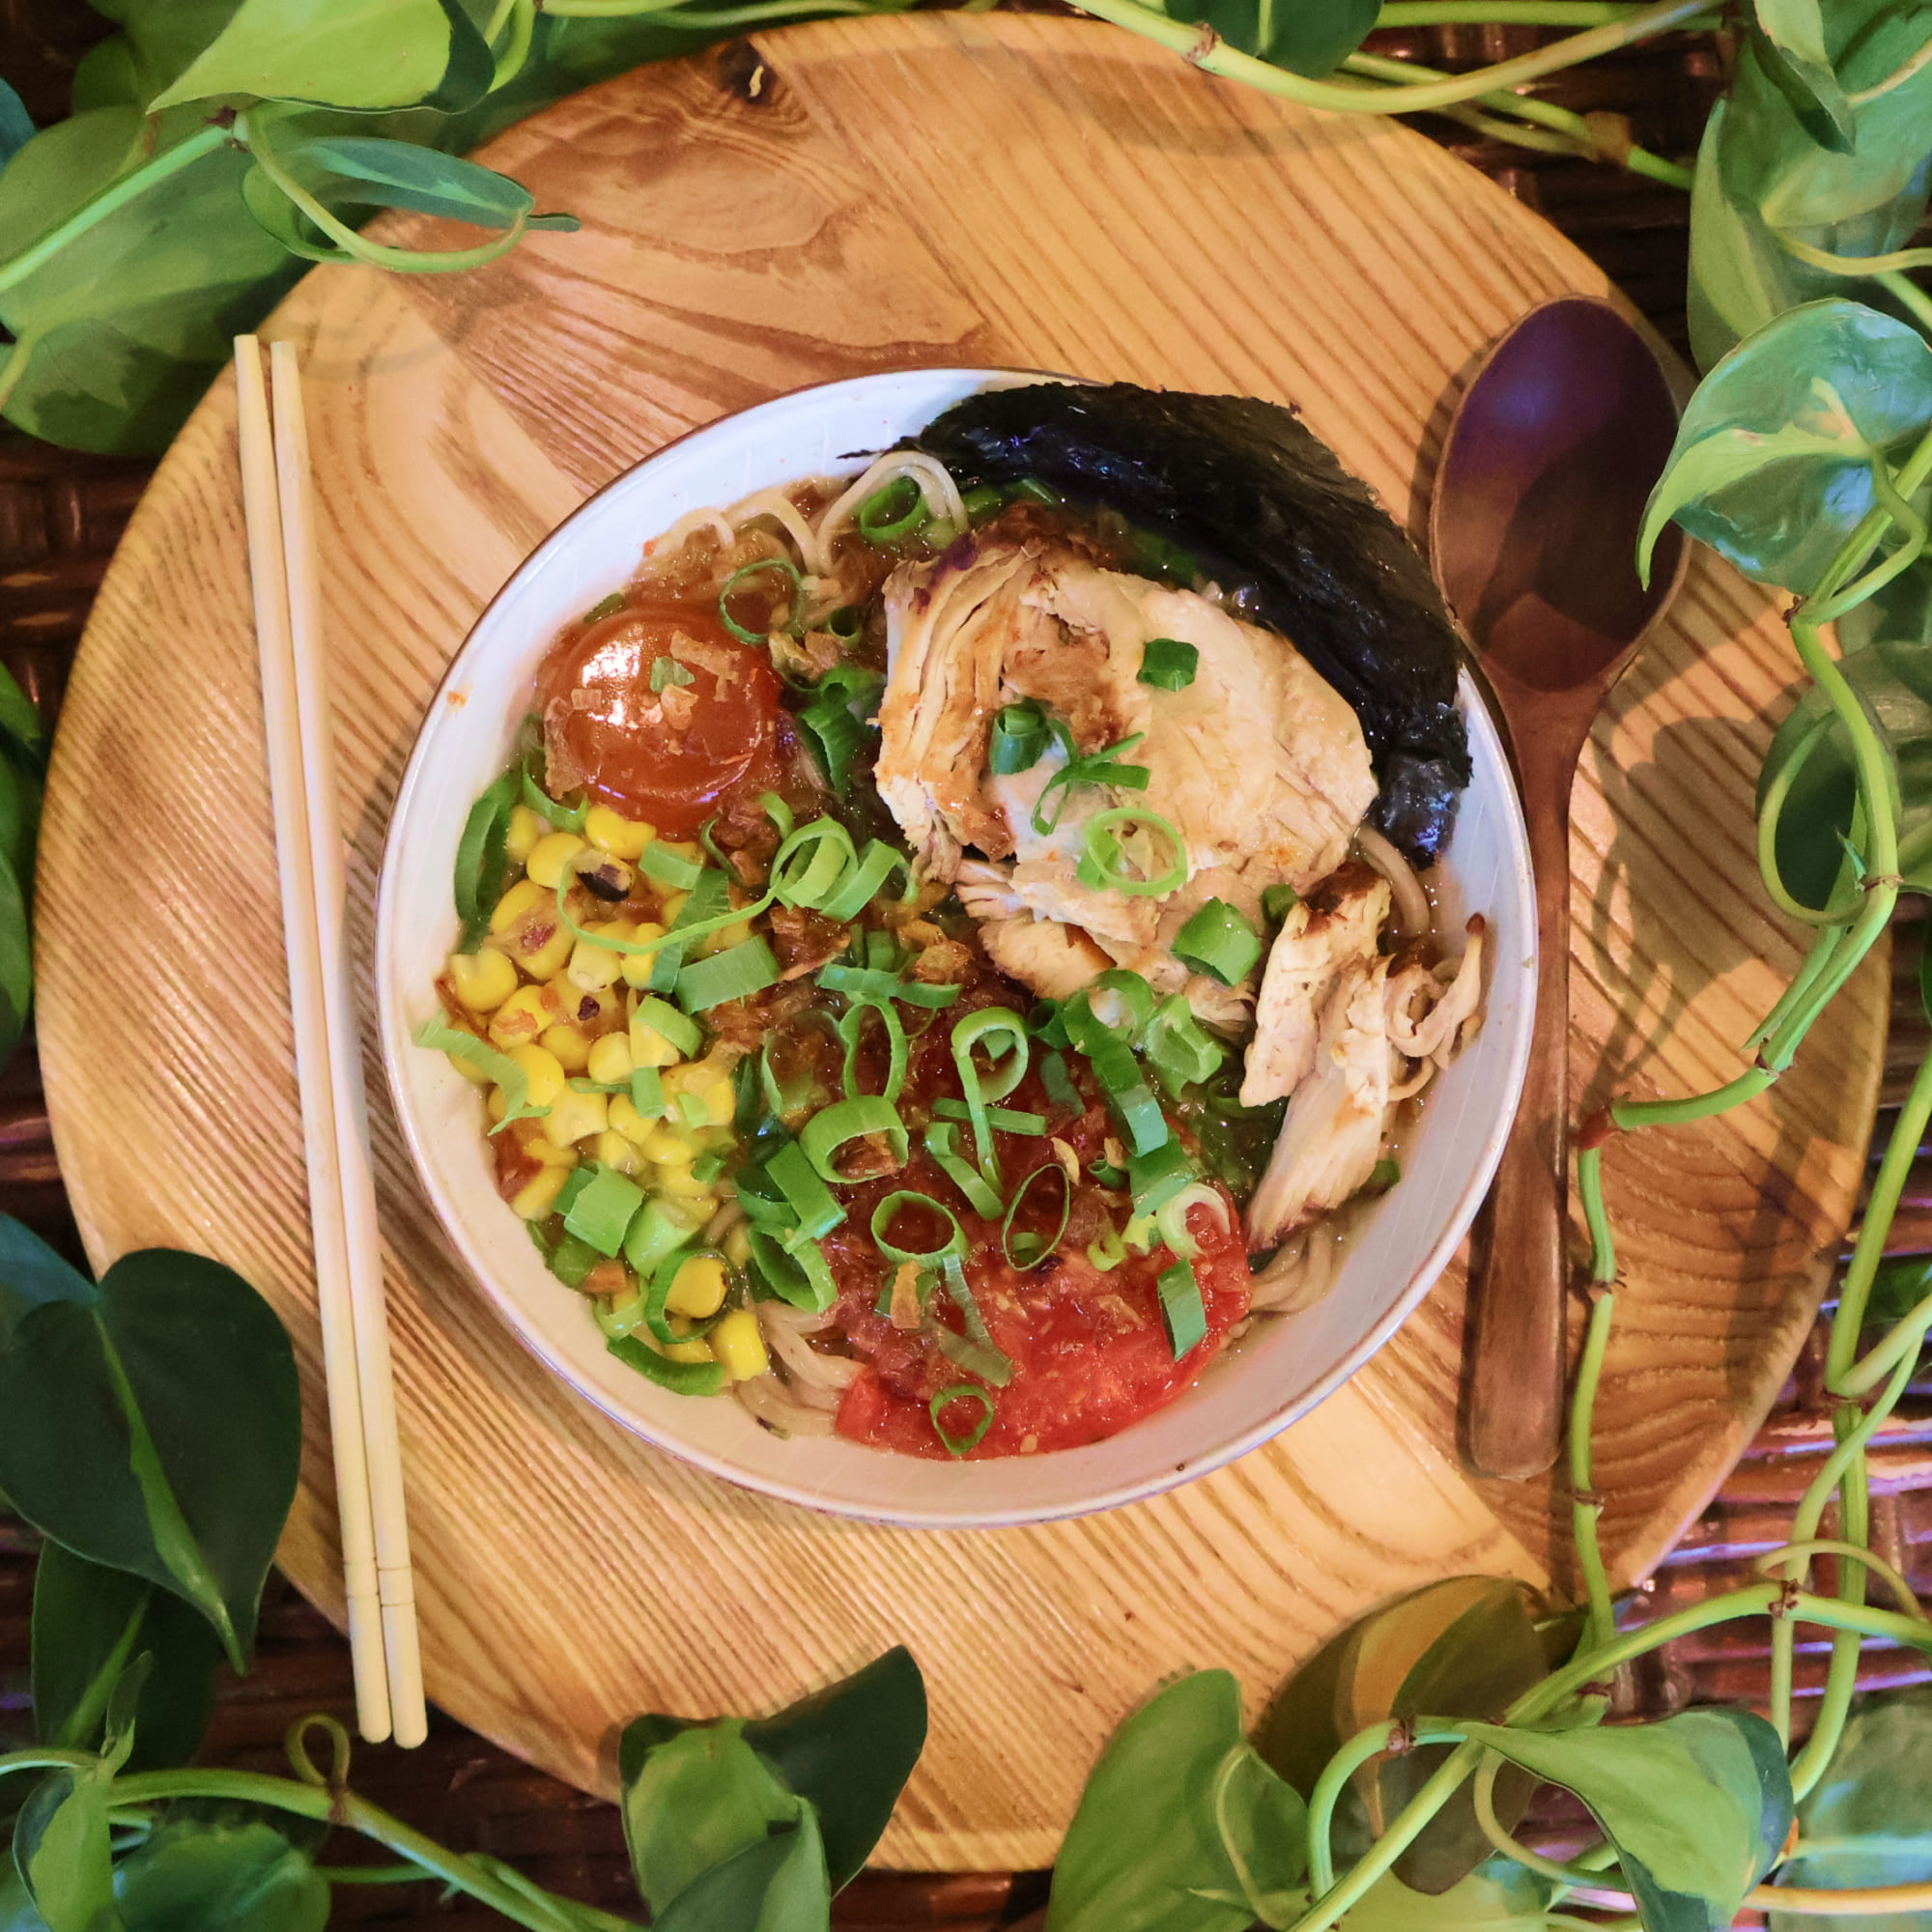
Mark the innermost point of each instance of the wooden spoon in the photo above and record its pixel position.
(1532, 532)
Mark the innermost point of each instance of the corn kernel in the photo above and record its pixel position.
(683, 848)
(483, 980)
(497, 1104)
(538, 1194)
(621, 837)
(613, 1149)
(573, 1117)
(626, 1120)
(649, 1047)
(570, 1044)
(739, 1347)
(539, 1148)
(698, 1289)
(663, 1148)
(684, 1185)
(611, 1058)
(637, 967)
(469, 1070)
(737, 1246)
(542, 1070)
(719, 1100)
(523, 1016)
(672, 905)
(593, 967)
(525, 828)
(549, 855)
(697, 1350)
(734, 934)
(517, 904)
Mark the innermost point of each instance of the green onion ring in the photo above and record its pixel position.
(941, 1143)
(1099, 865)
(778, 563)
(850, 1027)
(884, 1214)
(877, 526)
(831, 1127)
(1020, 1193)
(961, 1445)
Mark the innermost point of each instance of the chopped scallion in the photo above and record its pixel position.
(1278, 901)
(1169, 664)
(1382, 1177)
(601, 1214)
(647, 1094)
(777, 811)
(680, 1378)
(1181, 1307)
(784, 566)
(1218, 940)
(893, 511)
(668, 671)
(564, 817)
(480, 862)
(485, 1058)
(940, 1143)
(679, 1029)
(1020, 738)
(869, 983)
(1108, 1252)
(604, 606)
(1158, 1175)
(1088, 768)
(1061, 1091)
(1103, 863)
(1177, 1047)
(851, 1120)
(807, 1196)
(1024, 1250)
(802, 1278)
(1007, 1120)
(910, 1199)
(969, 1439)
(666, 867)
(572, 1259)
(735, 974)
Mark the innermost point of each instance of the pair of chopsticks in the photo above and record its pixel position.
(277, 494)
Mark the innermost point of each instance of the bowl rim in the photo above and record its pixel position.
(1483, 726)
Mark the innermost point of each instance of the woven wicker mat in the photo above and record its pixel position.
(60, 517)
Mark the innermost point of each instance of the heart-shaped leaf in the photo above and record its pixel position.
(63, 1852)
(777, 1883)
(1697, 1805)
(241, 1876)
(89, 1624)
(1182, 1827)
(109, 1444)
(1772, 462)
(359, 54)
(1870, 1815)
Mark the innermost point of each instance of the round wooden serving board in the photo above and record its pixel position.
(839, 198)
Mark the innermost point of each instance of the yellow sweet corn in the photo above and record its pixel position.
(698, 1289)
(538, 1194)
(637, 967)
(626, 1120)
(611, 1058)
(621, 837)
(739, 1347)
(697, 1350)
(613, 1149)
(549, 855)
(539, 1148)
(734, 934)
(542, 1070)
(472, 1072)
(663, 1148)
(737, 1246)
(671, 904)
(497, 1104)
(483, 980)
(649, 1047)
(518, 904)
(573, 1117)
(526, 1013)
(570, 1044)
(683, 1184)
(519, 840)
(594, 967)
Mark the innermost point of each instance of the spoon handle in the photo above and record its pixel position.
(1515, 1380)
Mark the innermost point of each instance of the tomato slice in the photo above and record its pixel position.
(668, 757)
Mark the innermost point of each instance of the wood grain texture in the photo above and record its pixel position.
(826, 201)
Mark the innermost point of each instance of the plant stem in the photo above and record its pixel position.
(1852, 1552)
(1504, 12)
(1208, 52)
(1910, 294)
(540, 1912)
(117, 195)
(1585, 1506)
(1748, 1086)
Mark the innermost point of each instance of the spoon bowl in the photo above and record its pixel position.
(1549, 459)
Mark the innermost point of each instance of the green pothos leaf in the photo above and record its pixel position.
(1773, 464)
(63, 1852)
(110, 1446)
(1307, 36)
(1790, 39)
(17, 127)
(1870, 1815)
(1697, 1805)
(201, 1875)
(1499, 1896)
(776, 1884)
(359, 54)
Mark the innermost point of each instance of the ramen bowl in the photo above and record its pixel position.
(1277, 1372)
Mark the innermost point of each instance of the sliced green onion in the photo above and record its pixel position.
(802, 1278)
(660, 1229)
(666, 867)
(807, 1196)
(852, 1119)
(1004, 1035)
(786, 567)
(777, 811)
(941, 1143)
(534, 1229)
(1032, 489)
(1061, 1091)
(680, 1378)
(882, 952)
(865, 881)
(1020, 738)
(1100, 866)
(779, 1096)
(879, 522)
(707, 908)
(581, 1084)
(572, 1259)
(1024, 1251)
(710, 1164)
(963, 1444)
(619, 1317)
(1128, 1095)
(575, 1183)
(692, 1111)
(1218, 940)
(678, 1030)
(982, 500)
(1169, 664)
(1107, 1173)
(1108, 1252)
(1121, 1002)
(889, 1209)
(564, 817)
(869, 983)
(735, 974)
(719, 859)
(668, 671)
(1007, 1120)
(480, 861)
(1177, 1047)
(1089, 768)
(1046, 1024)
(1278, 901)
(1158, 1175)
(847, 623)
(1382, 1177)
(1182, 1308)
(850, 1026)
(647, 1093)
(808, 866)
(604, 606)
(602, 1212)
(1170, 1220)
(836, 736)
(481, 1055)
(988, 1363)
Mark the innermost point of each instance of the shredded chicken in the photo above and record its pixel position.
(1258, 763)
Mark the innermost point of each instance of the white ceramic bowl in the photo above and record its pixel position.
(1279, 1372)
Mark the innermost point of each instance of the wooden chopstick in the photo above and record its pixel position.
(277, 494)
